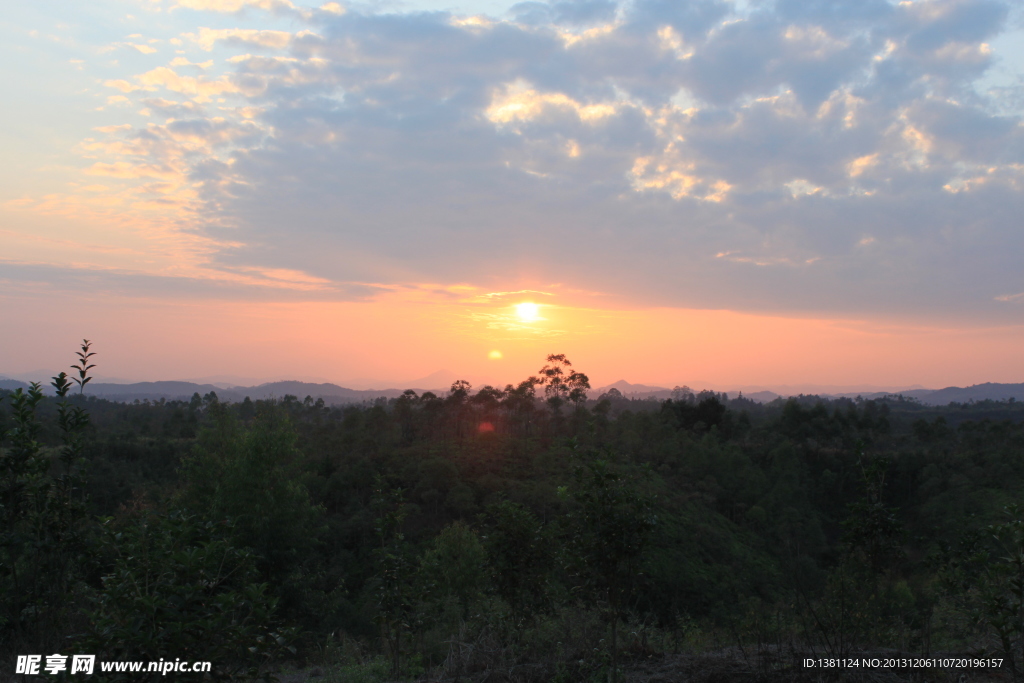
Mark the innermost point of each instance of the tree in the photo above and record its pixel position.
(458, 407)
(863, 596)
(519, 559)
(42, 514)
(395, 570)
(610, 522)
(872, 529)
(562, 383)
(249, 475)
(454, 565)
(181, 587)
(83, 366)
(23, 482)
(1003, 589)
(519, 404)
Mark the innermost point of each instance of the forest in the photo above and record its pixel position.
(527, 533)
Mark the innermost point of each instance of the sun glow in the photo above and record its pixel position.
(528, 312)
(494, 355)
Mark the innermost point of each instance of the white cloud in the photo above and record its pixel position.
(201, 89)
(518, 102)
(234, 6)
(647, 149)
(274, 40)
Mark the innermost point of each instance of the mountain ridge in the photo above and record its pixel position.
(336, 395)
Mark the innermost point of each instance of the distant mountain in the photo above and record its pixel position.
(989, 391)
(436, 381)
(178, 391)
(935, 397)
(154, 391)
(758, 396)
(32, 376)
(633, 390)
(183, 391)
(228, 381)
(330, 393)
(439, 382)
(646, 391)
(441, 378)
(852, 390)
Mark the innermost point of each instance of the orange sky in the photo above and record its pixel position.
(363, 194)
(403, 337)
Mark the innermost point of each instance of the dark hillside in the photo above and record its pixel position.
(565, 537)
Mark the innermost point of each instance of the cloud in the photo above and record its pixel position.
(184, 61)
(235, 6)
(249, 38)
(518, 102)
(201, 89)
(667, 153)
(565, 12)
(122, 85)
(174, 108)
(252, 285)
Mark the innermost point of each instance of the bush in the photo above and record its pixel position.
(179, 588)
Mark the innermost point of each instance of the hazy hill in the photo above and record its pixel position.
(645, 391)
(330, 393)
(12, 384)
(989, 391)
(153, 391)
(183, 391)
(440, 381)
(759, 396)
(633, 390)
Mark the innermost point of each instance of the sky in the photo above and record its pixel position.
(735, 193)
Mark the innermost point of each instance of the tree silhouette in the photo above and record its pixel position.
(83, 366)
(562, 383)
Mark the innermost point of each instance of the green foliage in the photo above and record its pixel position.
(42, 515)
(829, 524)
(24, 483)
(396, 596)
(561, 383)
(845, 613)
(453, 567)
(699, 416)
(872, 529)
(520, 559)
(609, 522)
(1002, 589)
(83, 366)
(250, 475)
(179, 588)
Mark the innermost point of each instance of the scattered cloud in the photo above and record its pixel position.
(248, 38)
(642, 149)
(235, 6)
(200, 88)
(518, 102)
(122, 85)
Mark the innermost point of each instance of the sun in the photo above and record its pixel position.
(528, 312)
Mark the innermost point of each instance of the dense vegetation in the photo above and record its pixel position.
(527, 530)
